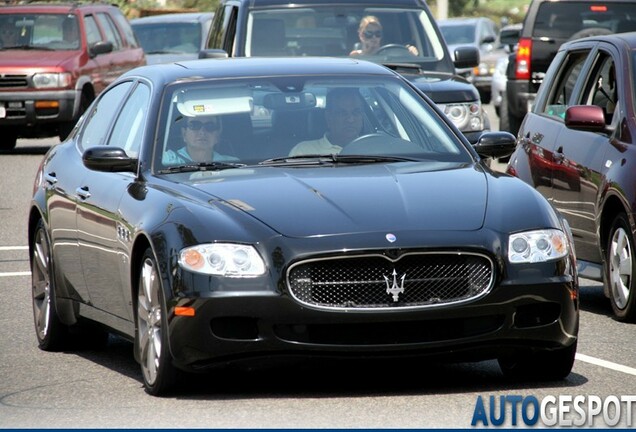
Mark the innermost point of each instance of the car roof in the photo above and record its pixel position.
(461, 20)
(174, 17)
(394, 3)
(241, 67)
(53, 7)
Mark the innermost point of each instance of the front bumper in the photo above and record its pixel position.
(21, 107)
(239, 326)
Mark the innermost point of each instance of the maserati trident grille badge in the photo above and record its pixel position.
(394, 289)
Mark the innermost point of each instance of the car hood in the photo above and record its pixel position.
(305, 202)
(33, 58)
(444, 88)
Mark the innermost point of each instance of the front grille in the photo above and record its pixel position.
(376, 281)
(13, 81)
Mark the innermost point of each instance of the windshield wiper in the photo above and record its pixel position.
(201, 166)
(316, 159)
(370, 158)
(12, 47)
(332, 159)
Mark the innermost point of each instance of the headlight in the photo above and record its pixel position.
(484, 69)
(537, 246)
(52, 80)
(222, 259)
(467, 116)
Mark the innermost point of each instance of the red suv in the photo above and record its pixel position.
(54, 60)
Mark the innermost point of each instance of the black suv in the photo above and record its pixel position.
(411, 44)
(547, 25)
(54, 59)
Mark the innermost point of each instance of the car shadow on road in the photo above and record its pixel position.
(593, 300)
(26, 150)
(325, 378)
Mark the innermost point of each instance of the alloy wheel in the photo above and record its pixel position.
(620, 268)
(41, 284)
(149, 322)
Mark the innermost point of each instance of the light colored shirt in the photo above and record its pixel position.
(181, 156)
(320, 146)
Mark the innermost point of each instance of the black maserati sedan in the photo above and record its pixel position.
(226, 211)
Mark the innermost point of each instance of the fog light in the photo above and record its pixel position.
(47, 104)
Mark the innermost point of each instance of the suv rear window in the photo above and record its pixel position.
(561, 20)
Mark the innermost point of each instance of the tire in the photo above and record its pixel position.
(619, 269)
(151, 341)
(51, 333)
(65, 129)
(508, 121)
(594, 31)
(539, 366)
(485, 96)
(9, 140)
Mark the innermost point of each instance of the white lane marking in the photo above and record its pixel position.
(11, 274)
(581, 357)
(606, 364)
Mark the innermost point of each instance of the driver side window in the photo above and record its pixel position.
(601, 89)
(562, 92)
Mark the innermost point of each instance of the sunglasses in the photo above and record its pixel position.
(196, 125)
(369, 34)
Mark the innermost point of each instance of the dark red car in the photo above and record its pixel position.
(54, 60)
(578, 148)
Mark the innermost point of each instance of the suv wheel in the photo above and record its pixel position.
(508, 121)
(594, 31)
(620, 268)
(66, 128)
(9, 140)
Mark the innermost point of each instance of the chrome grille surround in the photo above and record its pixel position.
(367, 282)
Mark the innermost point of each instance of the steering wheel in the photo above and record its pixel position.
(379, 144)
(370, 137)
(393, 50)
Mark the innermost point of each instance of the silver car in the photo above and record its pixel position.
(508, 38)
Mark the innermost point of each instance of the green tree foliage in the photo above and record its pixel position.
(457, 7)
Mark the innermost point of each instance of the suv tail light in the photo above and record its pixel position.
(522, 66)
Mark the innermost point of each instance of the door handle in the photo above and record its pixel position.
(50, 178)
(83, 192)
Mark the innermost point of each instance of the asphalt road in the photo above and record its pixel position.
(103, 388)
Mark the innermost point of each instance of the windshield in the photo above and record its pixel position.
(169, 37)
(378, 34)
(300, 120)
(459, 34)
(572, 20)
(39, 31)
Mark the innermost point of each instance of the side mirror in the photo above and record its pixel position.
(589, 118)
(466, 57)
(100, 47)
(212, 53)
(495, 144)
(108, 159)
